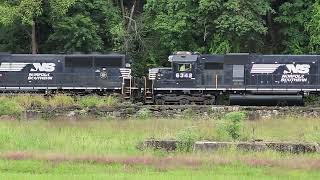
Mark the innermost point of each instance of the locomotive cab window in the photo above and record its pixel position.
(186, 67)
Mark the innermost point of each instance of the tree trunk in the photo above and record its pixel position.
(34, 43)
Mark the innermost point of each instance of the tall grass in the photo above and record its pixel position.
(31, 101)
(10, 108)
(61, 101)
(97, 101)
(121, 137)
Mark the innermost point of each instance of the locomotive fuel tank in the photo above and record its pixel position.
(266, 100)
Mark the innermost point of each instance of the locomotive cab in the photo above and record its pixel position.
(184, 67)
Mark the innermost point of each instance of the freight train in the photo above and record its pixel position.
(192, 78)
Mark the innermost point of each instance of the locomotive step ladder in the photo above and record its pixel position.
(148, 91)
(127, 88)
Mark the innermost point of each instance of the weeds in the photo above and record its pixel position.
(189, 113)
(31, 101)
(144, 113)
(90, 101)
(61, 101)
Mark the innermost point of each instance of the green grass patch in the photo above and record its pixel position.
(68, 170)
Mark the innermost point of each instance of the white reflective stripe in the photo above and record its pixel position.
(12, 67)
(264, 68)
(125, 72)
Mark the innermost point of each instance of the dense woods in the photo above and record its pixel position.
(149, 30)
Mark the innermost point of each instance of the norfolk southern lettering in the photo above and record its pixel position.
(295, 73)
(44, 67)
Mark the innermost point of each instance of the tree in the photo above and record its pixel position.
(240, 26)
(313, 28)
(293, 17)
(27, 12)
(90, 26)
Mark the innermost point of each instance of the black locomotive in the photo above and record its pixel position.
(77, 72)
(244, 79)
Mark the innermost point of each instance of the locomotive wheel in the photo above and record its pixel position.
(184, 101)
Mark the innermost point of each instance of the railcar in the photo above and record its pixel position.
(242, 79)
(101, 73)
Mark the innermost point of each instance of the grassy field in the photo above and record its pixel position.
(106, 149)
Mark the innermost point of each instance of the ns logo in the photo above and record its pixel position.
(43, 67)
(297, 69)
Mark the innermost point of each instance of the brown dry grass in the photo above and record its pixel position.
(165, 163)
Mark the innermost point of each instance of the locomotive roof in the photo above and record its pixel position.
(183, 58)
(212, 58)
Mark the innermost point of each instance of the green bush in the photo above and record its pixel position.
(10, 108)
(186, 139)
(231, 126)
(144, 113)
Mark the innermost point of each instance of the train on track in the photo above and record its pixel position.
(192, 78)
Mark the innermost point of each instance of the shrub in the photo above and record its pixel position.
(144, 113)
(231, 125)
(186, 139)
(10, 108)
(235, 122)
(61, 101)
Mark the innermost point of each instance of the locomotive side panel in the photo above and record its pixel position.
(30, 72)
(279, 71)
(95, 71)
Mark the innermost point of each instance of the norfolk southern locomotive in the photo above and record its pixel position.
(78, 72)
(244, 79)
